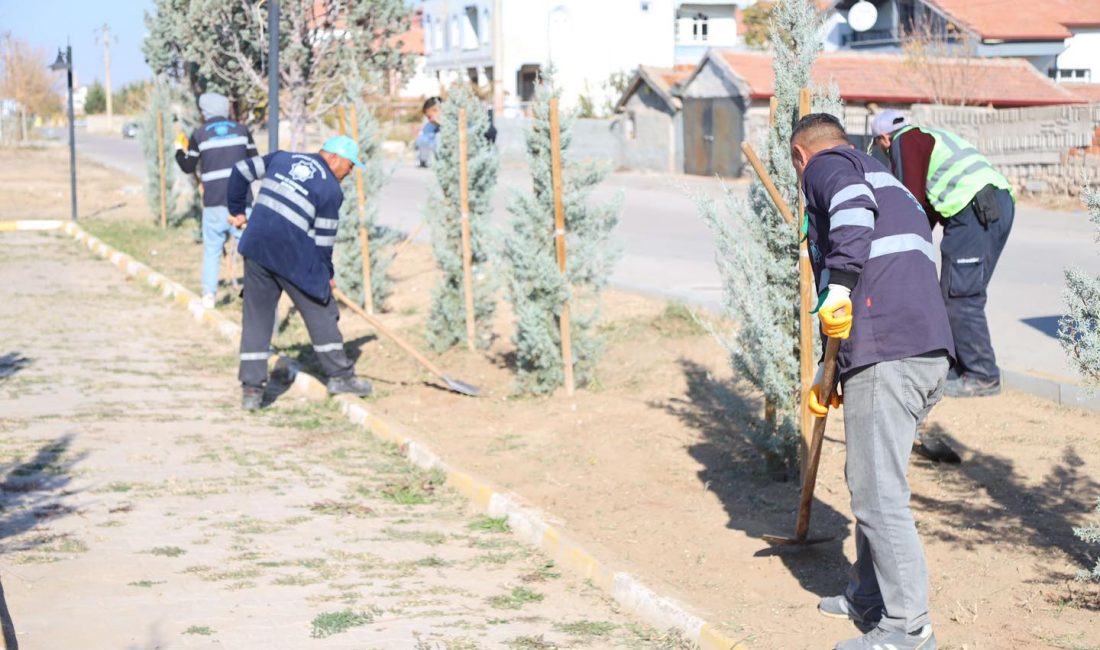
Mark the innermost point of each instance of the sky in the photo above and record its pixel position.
(47, 24)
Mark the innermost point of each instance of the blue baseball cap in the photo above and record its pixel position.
(345, 147)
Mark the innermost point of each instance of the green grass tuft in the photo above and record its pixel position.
(516, 599)
(200, 630)
(167, 551)
(330, 623)
(490, 525)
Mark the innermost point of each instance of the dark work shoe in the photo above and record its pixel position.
(936, 451)
(971, 386)
(350, 385)
(252, 398)
(839, 607)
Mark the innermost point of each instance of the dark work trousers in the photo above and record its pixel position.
(262, 290)
(970, 252)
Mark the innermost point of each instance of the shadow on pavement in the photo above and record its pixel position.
(12, 363)
(1046, 324)
(757, 505)
(1016, 512)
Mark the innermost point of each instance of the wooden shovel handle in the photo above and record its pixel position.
(385, 331)
(809, 477)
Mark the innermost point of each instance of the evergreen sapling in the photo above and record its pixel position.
(447, 319)
(1079, 329)
(536, 287)
(347, 251)
(180, 203)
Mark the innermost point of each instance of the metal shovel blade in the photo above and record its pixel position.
(460, 386)
(776, 540)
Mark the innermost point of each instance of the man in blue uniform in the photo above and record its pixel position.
(215, 146)
(871, 251)
(288, 247)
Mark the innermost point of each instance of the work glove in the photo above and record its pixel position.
(814, 396)
(835, 312)
(181, 142)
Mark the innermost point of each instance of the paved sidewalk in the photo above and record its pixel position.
(142, 509)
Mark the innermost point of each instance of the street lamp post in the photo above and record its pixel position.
(65, 62)
(273, 76)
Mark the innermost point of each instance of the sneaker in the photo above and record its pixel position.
(971, 386)
(839, 607)
(350, 385)
(252, 398)
(880, 639)
(208, 301)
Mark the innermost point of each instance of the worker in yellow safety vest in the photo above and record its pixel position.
(958, 188)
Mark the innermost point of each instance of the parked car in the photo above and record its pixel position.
(129, 130)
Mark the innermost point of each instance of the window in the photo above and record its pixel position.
(645, 5)
(1072, 74)
(699, 27)
(471, 34)
(427, 26)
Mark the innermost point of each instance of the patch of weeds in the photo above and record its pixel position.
(432, 561)
(341, 508)
(545, 571)
(146, 583)
(329, 623)
(60, 544)
(167, 551)
(296, 580)
(670, 640)
(586, 628)
(250, 526)
(200, 630)
(505, 442)
(414, 490)
(494, 558)
(119, 486)
(530, 643)
(431, 538)
(488, 524)
(515, 599)
(677, 321)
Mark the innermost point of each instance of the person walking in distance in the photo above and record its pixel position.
(872, 257)
(960, 189)
(214, 148)
(288, 247)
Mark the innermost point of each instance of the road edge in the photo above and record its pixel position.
(528, 523)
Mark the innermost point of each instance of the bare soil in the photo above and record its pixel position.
(650, 468)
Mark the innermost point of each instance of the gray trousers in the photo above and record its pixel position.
(883, 403)
(262, 290)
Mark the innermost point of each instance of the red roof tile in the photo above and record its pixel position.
(1088, 92)
(890, 78)
(1036, 20)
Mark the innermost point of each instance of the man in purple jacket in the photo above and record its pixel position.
(871, 251)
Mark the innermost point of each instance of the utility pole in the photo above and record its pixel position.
(273, 76)
(105, 32)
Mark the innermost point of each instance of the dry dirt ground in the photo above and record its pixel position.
(650, 468)
(139, 508)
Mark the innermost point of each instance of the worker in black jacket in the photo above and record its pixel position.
(215, 146)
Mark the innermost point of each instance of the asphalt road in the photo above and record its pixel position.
(668, 251)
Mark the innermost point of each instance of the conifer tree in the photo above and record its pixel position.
(1090, 534)
(347, 252)
(181, 204)
(1079, 329)
(536, 288)
(758, 251)
(447, 320)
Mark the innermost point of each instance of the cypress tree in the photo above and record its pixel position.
(536, 288)
(447, 319)
(166, 101)
(347, 252)
(1079, 329)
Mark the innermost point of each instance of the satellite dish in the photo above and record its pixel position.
(862, 16)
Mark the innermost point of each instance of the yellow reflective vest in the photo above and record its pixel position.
(956, 172)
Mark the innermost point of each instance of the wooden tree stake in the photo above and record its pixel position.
(559, 240)
(364, 238)
(162, 170)
(805, 320)
(341, 120)
(467, 254)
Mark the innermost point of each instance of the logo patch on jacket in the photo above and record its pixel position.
(302, 171)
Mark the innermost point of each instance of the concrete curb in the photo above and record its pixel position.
(530, 524)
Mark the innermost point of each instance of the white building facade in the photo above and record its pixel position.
(504, 45)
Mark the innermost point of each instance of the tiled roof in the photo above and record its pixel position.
(889, 78)
(1036, 20)
(663, 80)
(1088, 92)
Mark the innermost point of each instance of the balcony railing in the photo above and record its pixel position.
(885, 36)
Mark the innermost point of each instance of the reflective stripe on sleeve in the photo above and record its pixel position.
(328, 347)
(326, 223)
(245, 170)
(902, 244)
(861, 217)
(326, 241)
(850, 192)
(255, 356)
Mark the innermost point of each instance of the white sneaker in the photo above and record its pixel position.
(208, 301)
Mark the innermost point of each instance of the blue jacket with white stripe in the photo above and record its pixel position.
(217, 145)
(292, 227)
(869, 234)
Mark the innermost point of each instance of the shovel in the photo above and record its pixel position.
(452, 384)
(809, 479)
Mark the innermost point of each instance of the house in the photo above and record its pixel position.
(650, 125)
(702, 24)
(1061, 38)
(726, 99)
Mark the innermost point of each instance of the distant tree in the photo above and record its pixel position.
(25, 78)
(615, 86)
(162, 101)
(95, 102)
(447, 319)
(536, 288)
(1079, 329)
(943, 61)
(1090, 534)
(756, 21)
(132, 98)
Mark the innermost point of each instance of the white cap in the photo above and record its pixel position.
(887, 122)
